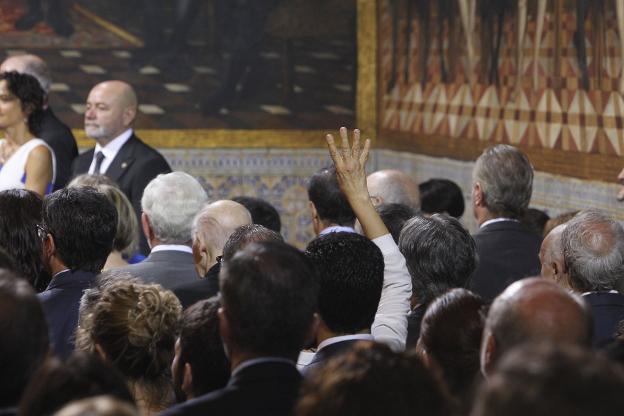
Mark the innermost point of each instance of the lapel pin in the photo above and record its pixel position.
(124, 165)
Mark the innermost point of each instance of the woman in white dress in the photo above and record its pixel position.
(25, 161)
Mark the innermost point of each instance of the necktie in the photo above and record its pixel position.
(99, 157)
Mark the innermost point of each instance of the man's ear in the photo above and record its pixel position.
(488, 353)
(224, 326)
(147, 227)
(128, 115)
(187, 378)
(477, 194)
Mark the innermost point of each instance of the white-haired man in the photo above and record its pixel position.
(170, 203)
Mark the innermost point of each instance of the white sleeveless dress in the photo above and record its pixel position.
(13, 172)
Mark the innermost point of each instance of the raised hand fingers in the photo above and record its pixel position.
(365, 152)
(355, 149)
(333, 152)
(345, 140)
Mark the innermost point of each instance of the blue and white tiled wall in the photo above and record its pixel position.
(280, 175)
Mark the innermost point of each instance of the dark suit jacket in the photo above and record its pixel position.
(507, 252)
(327, 352)
(168, 268)
(133, 168)
(607, 310)
(62, 141)
(269, 388)
(205, 288)
(60, 304)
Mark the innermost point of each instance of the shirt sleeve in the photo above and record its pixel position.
(390, 325)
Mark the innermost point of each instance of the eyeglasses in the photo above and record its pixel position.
(42, 232)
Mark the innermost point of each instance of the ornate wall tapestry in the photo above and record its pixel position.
(459, 75)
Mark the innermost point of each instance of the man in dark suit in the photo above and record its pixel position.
(170, 203)
(593, 261)
(52, 130)
(78, 228)
(269, 296)
(211, 229)
(119, 153)
(502, 186)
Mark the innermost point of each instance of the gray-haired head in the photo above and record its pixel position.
(171, 202)
(505, 176)
(593, 251)
(31, 65)
(440, 255)
(393, 187)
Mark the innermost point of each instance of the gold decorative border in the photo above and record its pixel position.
(111, 27)
(366, 103)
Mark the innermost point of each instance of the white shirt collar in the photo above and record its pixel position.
(110, 150)
(171, 247)
(495, 220)
(599, 291)
(334, 340)
(337, 229)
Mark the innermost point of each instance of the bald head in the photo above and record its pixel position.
(551, 256)
(533, 309)
(111, 109)
(212, 227)
(393, 187)
(31, 65)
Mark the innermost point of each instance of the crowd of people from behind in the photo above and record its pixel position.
(393, 307)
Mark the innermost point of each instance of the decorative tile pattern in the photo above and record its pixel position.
(280, 176)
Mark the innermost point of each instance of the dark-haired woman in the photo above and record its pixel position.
(26, 162)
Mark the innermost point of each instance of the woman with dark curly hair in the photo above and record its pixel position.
(134, 326)
(25, 161)
(20, 212)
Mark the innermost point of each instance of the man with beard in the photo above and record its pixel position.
(119, 154)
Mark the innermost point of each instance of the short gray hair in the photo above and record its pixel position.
(593, 251)
(171, 201)
(506, 178)
(38, 69)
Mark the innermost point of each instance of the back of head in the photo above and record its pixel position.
(98, 406)
(593, 250)
(535, 220)
(393, 187)
(82, 375)
(171, 202)
(330, 203)
(20, 213)
(537, 309)
(31, 65)
(506, 178)
(440, 254)
(262, 212)
(126, 238)
(135, 325)
(351, 272)
(547, 380)
(370, 379)
(83, 223)
(24, 343)
(394, 217)
(215, 222)
(202, 348)
(441, 196)
(269, 294)
(450, 335)
(247, 234)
